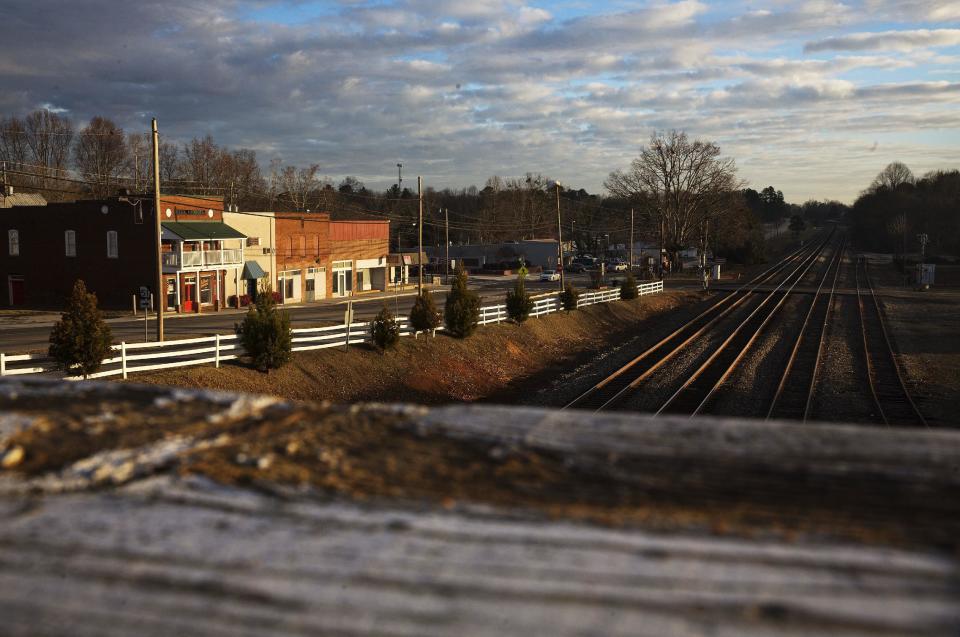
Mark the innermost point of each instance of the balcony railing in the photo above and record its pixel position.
(200, 258)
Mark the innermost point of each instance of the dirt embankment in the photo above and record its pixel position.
(494, 362)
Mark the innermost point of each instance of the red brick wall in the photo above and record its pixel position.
(179, 207)
(49, 274)
(302, 240)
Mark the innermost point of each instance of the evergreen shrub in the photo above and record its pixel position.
(462, 311)
(81, 339)
(265, 332)
(384, 329)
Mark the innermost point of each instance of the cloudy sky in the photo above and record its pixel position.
(813, 97)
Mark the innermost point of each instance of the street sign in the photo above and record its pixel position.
(144, 297)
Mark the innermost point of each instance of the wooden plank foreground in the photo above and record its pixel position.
(164, 554)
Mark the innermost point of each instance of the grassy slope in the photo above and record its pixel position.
(495, 359)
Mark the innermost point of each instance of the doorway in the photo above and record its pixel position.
(15, 287)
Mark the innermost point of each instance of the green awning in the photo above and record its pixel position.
(252, 271)
(199, 230)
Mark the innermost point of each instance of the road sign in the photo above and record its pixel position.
(144, 297)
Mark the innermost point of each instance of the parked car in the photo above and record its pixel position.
(575, 267)
(549, 275)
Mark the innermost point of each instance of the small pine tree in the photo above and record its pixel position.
(81, 339)
(265, 332)
(424, 315)
(569, 297)
(462, 311)
(628, 289)
(384, 329)
(519, 303)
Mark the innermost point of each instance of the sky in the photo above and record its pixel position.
(813, 97)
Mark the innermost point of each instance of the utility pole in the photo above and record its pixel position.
(161, 296)
(631, 239)
(420, 233)
(559, 238)
(446, 225)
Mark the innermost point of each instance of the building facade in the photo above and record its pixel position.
(303, 254)
(259, 254)
(211, 259)
(358, 257)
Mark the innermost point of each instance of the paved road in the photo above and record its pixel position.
(27, 337)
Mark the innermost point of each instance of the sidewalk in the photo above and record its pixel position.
(31, 318)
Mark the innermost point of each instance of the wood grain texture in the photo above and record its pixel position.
(163, 554)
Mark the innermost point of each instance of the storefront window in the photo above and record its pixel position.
(206, 290)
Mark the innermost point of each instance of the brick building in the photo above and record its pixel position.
(210, 258)
(303, 254)
(110, 244)
(358, 256)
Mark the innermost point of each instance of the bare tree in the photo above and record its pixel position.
(169, 161)
(13, 142)
(139, 161)
(892, 177)
(301, 187)
(101, 156)
(200, 167)
(683, 186)
(49, 137)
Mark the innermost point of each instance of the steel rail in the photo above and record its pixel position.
(866, 347)
(872, 369)
(585, 398)
(805, 265)
(756, 334)
(804, 331)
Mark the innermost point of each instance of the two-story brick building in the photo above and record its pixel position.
(303, 255)
(111, 245)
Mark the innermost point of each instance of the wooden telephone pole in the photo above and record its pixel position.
(420, 233)
(446, 226)
(161, 296)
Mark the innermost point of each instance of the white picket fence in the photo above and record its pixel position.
(129, 358)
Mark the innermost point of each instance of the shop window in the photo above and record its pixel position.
(206, 290)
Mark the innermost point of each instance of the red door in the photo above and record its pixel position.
(16, 290)
(187, 301)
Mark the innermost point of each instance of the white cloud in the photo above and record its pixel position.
(501, 86)
(887, 40)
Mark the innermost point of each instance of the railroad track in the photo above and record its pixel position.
(612, 389)
(696, 393)
(887, 389)
(794, 393)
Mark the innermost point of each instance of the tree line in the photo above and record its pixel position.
(680, 192)
(897, 208)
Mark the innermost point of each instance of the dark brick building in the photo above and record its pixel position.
(108, 243)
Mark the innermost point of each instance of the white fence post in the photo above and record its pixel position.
(123, 359)
(3, 364)
(216, 355)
